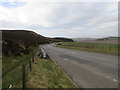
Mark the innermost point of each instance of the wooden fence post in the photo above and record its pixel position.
(33, 58)
(23, 77)
(110, 48)
(30, 65)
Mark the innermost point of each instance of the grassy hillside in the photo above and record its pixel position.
(18, 42)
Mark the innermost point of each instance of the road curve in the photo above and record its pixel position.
(87, 69)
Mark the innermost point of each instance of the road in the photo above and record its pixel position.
(86, 69)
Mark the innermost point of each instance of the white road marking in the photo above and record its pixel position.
(73, 62)
(108, 77)
(70, 61)
(65, 59)
(114, 80)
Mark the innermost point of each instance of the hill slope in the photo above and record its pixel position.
(27, 37)
(18, 42)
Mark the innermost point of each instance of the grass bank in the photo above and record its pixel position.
(46, 74)
(92, 47)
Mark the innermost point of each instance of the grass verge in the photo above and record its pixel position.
(46, 74)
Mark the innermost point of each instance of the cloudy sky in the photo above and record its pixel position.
(61, 19)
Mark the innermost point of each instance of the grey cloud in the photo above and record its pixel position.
(91, 19)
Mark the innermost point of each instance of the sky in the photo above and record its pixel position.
(70, 19)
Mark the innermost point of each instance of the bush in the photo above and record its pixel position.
(14, 48)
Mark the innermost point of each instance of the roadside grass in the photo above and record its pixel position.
(12, 78)
(12, 69)
(46, 74)
(92, 47)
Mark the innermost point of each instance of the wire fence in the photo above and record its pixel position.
(16, 76)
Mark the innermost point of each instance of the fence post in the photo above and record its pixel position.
(23, 77)
(33, 58)
(30, 65)
(110, 48)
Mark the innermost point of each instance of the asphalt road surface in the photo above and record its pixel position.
(86, 69)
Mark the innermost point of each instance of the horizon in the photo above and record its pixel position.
(79, 19)
(64, 37)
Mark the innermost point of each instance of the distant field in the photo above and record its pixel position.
(105, 40)
(102, 41)
(94, 47)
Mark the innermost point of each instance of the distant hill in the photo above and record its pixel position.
(28, 37)
(109, 38)
(64, 39)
